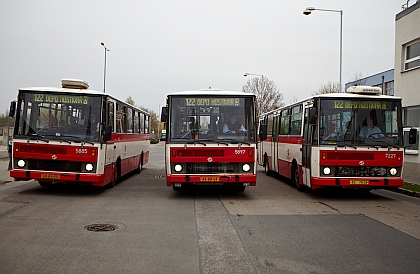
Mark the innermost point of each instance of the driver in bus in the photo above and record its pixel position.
(93, 124)
(370, 130)
(233, 126)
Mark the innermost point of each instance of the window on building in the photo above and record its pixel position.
(389, 88)
(411, 120)
(412, 56)
(412, 116)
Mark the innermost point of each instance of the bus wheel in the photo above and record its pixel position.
(116, 177)
(138, 170)
(240, 188)
(267, 170)
(296, 179)
(45, 183)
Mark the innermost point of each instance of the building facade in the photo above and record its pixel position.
(407, 78)
(404, 80)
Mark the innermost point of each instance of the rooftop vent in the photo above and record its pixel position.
(74, 83)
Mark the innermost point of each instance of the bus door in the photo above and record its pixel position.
(260, 144)
(307, 142)
(275, 143)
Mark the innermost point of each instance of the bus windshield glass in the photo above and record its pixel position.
(63, 116)
(360, 122)
(219, 119)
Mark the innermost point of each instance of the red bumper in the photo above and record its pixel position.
(371, 182)
(58, 177)
(212, 179)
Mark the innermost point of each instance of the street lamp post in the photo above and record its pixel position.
(309, 10)
(105, 48)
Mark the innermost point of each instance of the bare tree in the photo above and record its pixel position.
(329, 87)
(267, 93)
(358, 79)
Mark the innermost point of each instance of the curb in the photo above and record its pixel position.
(406, 192)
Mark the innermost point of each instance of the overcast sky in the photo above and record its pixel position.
(161, 46)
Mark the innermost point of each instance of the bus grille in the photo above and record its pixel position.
(360, 172)
(42, 149)
(201, 152)
(212, 168)
(349, 156)
(54, 165)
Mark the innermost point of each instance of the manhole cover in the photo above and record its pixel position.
(101, 227)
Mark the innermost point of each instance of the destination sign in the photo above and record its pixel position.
(68, 99)
(359, 104)
(213, 102)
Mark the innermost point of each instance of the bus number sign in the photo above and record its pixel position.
(212, 102)
(48, 98)
(359, 104)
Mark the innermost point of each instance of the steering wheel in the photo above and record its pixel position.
(376, 133)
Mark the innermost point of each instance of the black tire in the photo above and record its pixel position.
(267, 170)
(138, 170)
(296, 179)
(45, 183)
(240, 188)
(116, 177)
(177, 188)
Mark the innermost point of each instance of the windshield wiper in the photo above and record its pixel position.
(222, 142)
(78, 139)
(196, 142)
(37, 137)
(55, 137)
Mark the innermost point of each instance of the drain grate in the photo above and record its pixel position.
(101, 227)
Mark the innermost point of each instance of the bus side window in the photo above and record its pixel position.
(284, 122)
(111, 115)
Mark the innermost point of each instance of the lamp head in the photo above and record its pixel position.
(102, 44)
(246, 74)
(308, 10)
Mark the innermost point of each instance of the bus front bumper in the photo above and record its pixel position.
(58, 177)
(213, 179)
(368, 182)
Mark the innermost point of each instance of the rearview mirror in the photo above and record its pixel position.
(164, 115)
(263, 132)
(412, 136)
(12, 109)
(107, 133)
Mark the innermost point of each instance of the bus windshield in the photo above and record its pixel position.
(63, 116)
(219, 119)
(360, 122)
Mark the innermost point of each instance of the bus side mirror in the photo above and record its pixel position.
(107, 132)
(313, 116)
(164, 115)
(412, 136)
(12, 109)
(263, 132)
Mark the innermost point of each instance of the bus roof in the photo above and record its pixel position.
(82, 91)
(212, 92)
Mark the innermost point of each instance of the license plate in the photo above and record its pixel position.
(209, 179)
(357, 182)
(50, 176)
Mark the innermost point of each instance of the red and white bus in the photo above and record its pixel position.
(76, 135)
(325, 141)
(201, 147)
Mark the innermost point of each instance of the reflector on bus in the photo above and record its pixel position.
(364, 90)
(74, 83)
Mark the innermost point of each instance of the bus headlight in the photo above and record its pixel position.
(21, 163)
(89, 167)
(178, 168)
(246, 167)
(393, 171)
(327, 171)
